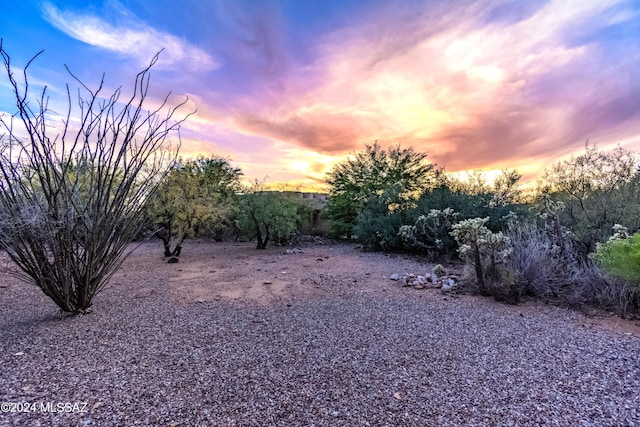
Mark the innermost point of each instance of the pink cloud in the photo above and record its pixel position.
(474, 94)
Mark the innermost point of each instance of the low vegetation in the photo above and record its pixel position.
(71, 200)
(553, 244)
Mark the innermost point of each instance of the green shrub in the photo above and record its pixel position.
(380, 220)
(620, 257)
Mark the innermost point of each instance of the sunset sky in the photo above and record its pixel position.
(287, 88)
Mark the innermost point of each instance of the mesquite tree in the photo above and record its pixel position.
(269, 215)
(73, 195)
(196, 194)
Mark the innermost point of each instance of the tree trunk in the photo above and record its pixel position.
(165, 236)
(167, 248)
(259, 238)
(176, 251)
(262, 240)
(479, 273)
(266, 239)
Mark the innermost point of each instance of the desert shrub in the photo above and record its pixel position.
(73, 193)
(598, 189)
(379, 222)
(197, 196)
(270, 216)
(470, 204)
(620, 256)
(546, 263)
(620, 259)
(542, 266)
(615, 294)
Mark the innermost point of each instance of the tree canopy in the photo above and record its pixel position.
(197, 194)
(269, 215)
(368, 174)
(598, 189)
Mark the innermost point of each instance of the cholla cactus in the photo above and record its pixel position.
(481, 247)
(619, 233)
(439, 270)
(549, 212)
(429, 230)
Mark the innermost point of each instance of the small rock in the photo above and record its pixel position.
(266, 282)
(394, 276)
(293, 251)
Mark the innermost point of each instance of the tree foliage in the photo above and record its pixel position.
(598, 189)
(73, 197)
(368, 174)
(196, 195)
(379, 221)
(269, 215)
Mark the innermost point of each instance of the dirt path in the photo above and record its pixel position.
(238, 272)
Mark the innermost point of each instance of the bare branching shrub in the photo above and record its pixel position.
(540, 266)
(617, 295)
(72, 195)
(598, 189)
(537, 264)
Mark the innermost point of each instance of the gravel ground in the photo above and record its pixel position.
(334, 343)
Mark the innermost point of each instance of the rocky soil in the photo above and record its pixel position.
(231, 336)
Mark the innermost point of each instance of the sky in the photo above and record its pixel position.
(285, 89)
